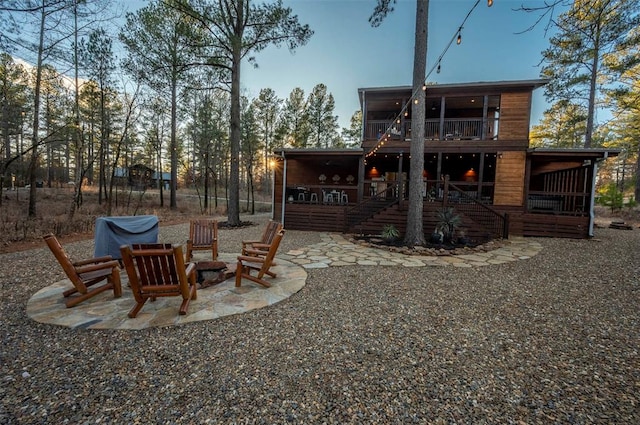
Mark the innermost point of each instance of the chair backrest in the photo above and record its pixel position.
(275, 243)
(155, 267)
(203, 232)
(65, 261)
(270, 231)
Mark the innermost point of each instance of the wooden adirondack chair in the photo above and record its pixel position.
(86, 273)
(260, 261)
(270, 230)
(203, 236)
(158, 270)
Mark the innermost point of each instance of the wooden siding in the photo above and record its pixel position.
(514, 116)
(310, 217)
(510, 173)
(548, 225)
(397, 216)
(333, 219)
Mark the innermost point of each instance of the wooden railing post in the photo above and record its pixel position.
(445, 191)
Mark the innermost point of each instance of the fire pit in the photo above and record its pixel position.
(212, 272)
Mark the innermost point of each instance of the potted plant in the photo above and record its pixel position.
(448, 223)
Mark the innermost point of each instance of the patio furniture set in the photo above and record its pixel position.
(162, 270)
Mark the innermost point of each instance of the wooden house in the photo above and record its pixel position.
(477, 160)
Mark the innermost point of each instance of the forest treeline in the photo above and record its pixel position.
(171, 102)
(160, 87)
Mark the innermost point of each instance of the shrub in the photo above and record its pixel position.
(448, 222)
(611, 197)
(389, 232)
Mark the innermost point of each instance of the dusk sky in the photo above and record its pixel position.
(346, 53)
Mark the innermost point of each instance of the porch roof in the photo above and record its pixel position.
(484, 86)
(319, 152)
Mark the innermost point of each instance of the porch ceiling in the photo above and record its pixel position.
(563, 154)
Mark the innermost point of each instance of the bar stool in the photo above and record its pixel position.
(301, 196)
(344, 198)
(327, 197)
(314, 198)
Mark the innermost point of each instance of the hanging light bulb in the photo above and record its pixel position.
(489, 3)
(459, 39)
(438, 70)
(415, 101)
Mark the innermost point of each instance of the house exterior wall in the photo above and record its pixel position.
(507, 174)
(509, 184)
(515, 110)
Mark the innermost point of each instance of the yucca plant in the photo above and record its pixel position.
(389, 232)
(448, 223)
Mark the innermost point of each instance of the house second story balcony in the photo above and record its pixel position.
(496, 111)
(435, 129)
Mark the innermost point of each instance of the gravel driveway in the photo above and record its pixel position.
(552, 339)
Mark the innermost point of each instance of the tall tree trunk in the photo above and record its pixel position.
(591, 106)
(159, 173)
(206, 178)
(637, 190)
(415, 233)
(233, 203)
(173, 203)
(33, 165)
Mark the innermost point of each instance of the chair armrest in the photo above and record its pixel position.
(261, 246)
(190, 268)
(249, 251)
(250, 259)
(93, 267)
(250, 242)
(93, 260)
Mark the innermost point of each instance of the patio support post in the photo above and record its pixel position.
(594, 173)
(439, 173)
(485, 111)
(480, 175)
(284, 187)
(441, 125)
(360, 194)
(400, 181)
(445, 191)
(273, 190)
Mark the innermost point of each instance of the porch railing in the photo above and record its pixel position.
(495, 223)
(372, 205)
(435, 129)
(559, 203)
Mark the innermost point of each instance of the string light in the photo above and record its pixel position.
(458, 37)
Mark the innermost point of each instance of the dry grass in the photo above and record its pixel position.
(18, 231)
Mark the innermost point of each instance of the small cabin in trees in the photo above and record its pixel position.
(477, 159)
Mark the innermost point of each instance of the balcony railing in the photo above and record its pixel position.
(435, 129)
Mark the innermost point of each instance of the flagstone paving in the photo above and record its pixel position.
(223, 299)
(336, 251)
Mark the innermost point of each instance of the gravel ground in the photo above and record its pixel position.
(553, 339)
